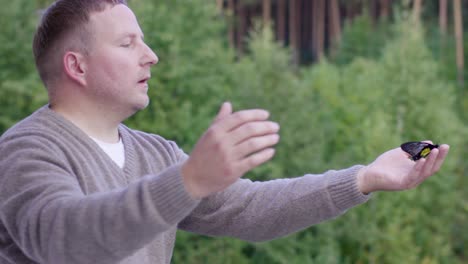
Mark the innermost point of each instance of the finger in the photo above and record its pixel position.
(256, 160)
(253, 129)
(224, 111)
(443, 151)
(238, 118)
(427, 170)
(428, 141)
(413, 178)
(256, 144)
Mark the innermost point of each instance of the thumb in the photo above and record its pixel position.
(225, 110)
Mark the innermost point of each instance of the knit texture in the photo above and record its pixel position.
(63, 200)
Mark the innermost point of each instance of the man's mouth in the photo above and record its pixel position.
(144, 80)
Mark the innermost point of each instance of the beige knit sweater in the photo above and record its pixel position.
(64, 201)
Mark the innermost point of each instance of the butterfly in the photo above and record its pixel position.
(418, 150)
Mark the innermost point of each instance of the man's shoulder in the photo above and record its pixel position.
(32, 124)
(43, 131)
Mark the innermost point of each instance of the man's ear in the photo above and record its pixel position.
(75, 67)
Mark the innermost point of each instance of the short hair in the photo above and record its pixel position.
(62, 21)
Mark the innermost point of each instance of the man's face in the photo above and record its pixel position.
(118, 65)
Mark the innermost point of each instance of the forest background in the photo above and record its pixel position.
(383, 85)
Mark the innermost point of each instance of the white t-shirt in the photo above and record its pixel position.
(115, 151)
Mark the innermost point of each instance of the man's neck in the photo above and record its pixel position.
(93, 122)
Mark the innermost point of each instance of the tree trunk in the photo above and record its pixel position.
(373, 11)
(443, 16)
(294, 30)
(318, 33)
(266, 8)
(457, 12)
(231, 14)
(417, 5)
(281, 24)
(334, 22)
(384, 9)
(242, 28)
(219, 4)
(442, 27)
(352, 9)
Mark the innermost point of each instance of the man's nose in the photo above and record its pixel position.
(149, 56)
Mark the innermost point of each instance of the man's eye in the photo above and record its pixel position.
(126, 45)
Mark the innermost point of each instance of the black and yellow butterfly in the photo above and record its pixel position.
(418, 150)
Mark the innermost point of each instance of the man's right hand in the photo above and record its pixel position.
(234, 144)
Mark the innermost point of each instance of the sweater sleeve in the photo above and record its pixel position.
(260, 211)
(46, 214)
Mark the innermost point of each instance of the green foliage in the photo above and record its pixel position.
(189, 82)
(384, 87)
(18, 20)
(19, 98)
(334, 116)
(366, 107)
(362, 38)
(265, 79)
(20, 89)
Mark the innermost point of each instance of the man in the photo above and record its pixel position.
(77, 186)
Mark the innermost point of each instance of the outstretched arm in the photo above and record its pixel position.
(258, 211)
(394, 171)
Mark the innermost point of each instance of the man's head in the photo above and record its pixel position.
(97, 47)
(63, 27)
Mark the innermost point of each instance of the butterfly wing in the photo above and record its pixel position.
(417, 150)
(412, 148)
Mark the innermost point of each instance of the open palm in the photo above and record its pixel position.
(394, 171)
